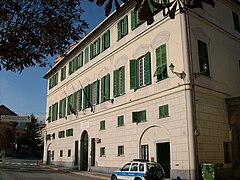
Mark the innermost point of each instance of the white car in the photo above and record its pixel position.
(139, 169)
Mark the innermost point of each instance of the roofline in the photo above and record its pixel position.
(80, 42)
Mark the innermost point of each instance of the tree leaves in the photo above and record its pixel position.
(32, 30)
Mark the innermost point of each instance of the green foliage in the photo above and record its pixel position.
(31, 30)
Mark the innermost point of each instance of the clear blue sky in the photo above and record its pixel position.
(25, 93)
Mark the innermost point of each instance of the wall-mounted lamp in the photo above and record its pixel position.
(204, 72)
(181, 75)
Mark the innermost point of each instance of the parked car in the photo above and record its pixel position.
(139, 169)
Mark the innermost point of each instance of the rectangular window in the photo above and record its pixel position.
(102, 125)
(62, 108)
(105, 88)
(135, 21)
(102, 151)
(95, 93)
(49, 119)
(80, 60)
(61, 134)
(69, 132)
(120, 150)
(53, 135)
(55, 111)
(119, 82)
(70, 109)
(106, 40)
(144, 152)
(227, 152)
(71, 67)
(48, 137)
(140, 71)
(69, 152)
(236, 21)
(63, 73)
(203, 58)
(61, 153)
(52, 155)
(122, 27)
(138, 117)
(53, 81)
(120, 121)
(95, 48)
(161, 63)
(163, 111)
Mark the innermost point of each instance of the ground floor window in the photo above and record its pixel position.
(102, 151)
(227, 152)
(120, 150)
(144, 151)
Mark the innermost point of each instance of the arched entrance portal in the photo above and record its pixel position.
(84, 152)
(154, 144)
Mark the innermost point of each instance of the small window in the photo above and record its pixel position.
(52, 155)
(102, 125)
(227, 152)
(119, 82)
(69, 132)
(120, 121)
(139, 116)
(120, 150)
(61, 134)
(63, 73)
(53, 135)
(122, 27)
(48, 137)
(102, 151)
(69, 153)
(236, 21)
(61, 153)
(203, 58)
(144, 152)
(163, 111)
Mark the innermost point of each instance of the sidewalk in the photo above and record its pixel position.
(78, 172)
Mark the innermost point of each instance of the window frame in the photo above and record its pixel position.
(163, 111)
(120, 150)
(122, 27)
(102, 151)
(102, 125)
(119, 81)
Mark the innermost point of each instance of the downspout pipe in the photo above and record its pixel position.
(190, 97)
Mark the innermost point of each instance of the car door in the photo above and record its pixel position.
(133, 170)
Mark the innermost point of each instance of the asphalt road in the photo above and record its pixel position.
(25, 169)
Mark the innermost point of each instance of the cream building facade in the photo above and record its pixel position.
(113, 97)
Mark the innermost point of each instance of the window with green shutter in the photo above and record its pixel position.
(122, 27)
(62, 108)
(79, 100)
(55, 111)
(140, 71)
(135, 21)
(71, 67)
(88, 96)
(119, 82)
(105, 88)
(63, 73)
(61, 134)
(138, 117)
(95, 48)
(95, 93)
(106, 40)
(69, 104)
(80, 59)
(203, 58)
(120, 121)
(236, 21)
(161, 63)
(102, 125)
(69, 132)
(49, 119)
(53, 81)
(163, 111)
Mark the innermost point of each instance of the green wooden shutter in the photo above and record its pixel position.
(60, 108)
(151, 6)
(68, 104)
(107, 86)
(80, 100)
(90, 95)
(236, 21)
(102, 89)
(133, 74)
(144, 116)
(97, 92)
(119, 30)
(56, 110)
(103, 42)
(135, 117)
(84, 97)
(123, 80)
(107, 39)
(133, 20)
(91, 51)
(81, 59)
(49, 114)
(86, 55)
(64, 107)
(147, 67)
(125, 26)
(75, 101)
(98, 45)
(115, 83)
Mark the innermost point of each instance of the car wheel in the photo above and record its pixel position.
(159, 174)
(114, 177)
